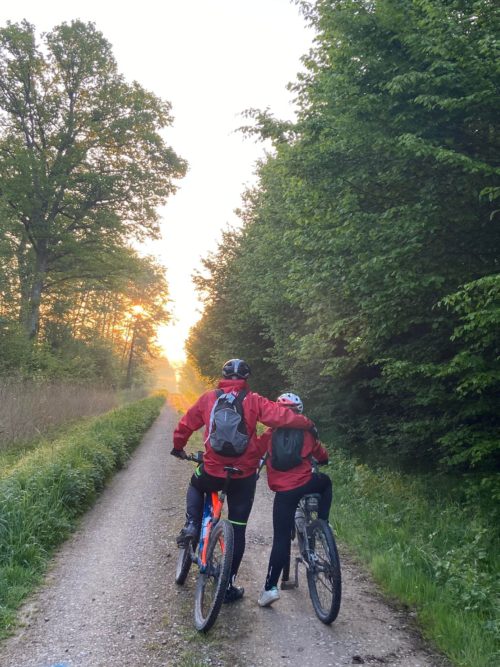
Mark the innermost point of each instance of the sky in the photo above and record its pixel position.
(211, 59)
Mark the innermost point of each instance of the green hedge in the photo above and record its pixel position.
(432, 545)
(44, 492)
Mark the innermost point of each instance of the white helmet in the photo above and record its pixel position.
(291, 401)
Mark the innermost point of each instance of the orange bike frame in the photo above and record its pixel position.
(217, 505)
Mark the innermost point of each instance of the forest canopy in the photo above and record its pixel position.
(365, 274)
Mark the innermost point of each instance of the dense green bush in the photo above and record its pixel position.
(433, 545)
(44, 491)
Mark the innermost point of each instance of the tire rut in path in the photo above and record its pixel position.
(109, 599)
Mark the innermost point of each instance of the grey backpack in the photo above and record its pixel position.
(227, 431)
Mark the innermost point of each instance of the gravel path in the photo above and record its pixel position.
(109, 599)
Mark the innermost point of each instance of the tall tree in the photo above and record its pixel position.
(371, 243)
(231, 326)
(83, 165)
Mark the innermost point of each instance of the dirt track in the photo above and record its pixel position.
(109, 599)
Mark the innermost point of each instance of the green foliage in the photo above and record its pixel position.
(230, 328)
(42, 493)
(61, 357)
(83, 168)
(15, 346)
(474, 372)
(365, 273)
(432, 546)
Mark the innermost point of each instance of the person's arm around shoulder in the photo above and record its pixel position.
(191, 421)
(275, 416)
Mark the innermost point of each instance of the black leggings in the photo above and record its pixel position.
(240, 495)
(285, 504)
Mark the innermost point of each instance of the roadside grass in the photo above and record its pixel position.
(431, 547)
(44, 492)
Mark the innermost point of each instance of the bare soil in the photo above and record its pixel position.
(109, 599)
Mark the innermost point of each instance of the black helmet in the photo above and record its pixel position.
(236, 368)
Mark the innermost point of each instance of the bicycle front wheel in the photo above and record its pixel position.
(184, 561)
(211, 585)
(323, 571)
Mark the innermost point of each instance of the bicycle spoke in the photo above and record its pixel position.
(211, 575)
(212, 584)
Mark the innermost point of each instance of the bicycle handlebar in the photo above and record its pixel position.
(196, 458)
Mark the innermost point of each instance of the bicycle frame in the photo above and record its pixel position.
(308, 505)
(212, 511)
(211, 515)
(212, 553)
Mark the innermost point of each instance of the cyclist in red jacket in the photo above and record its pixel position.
(210, 475)
(290, 485)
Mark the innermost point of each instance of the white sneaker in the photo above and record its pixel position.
(266, 598)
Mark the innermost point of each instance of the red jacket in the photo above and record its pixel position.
(301, 474)
(256, 408)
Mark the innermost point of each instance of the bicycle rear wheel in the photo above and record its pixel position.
(323, 572)
(211, 585)
(184, 561)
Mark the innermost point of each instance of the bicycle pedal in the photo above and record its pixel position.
(288, 585)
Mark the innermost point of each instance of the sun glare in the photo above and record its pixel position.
(171, 339)
(137, 310)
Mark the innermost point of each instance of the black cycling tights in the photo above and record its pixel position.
(240, 495)
(285, 504)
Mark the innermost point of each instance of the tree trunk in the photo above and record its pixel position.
(128, 379)
(24, 275)
(33, 319)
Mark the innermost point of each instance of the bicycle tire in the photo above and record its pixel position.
(184, 563)
(211, 585)
(323, 572)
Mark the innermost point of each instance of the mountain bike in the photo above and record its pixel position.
(212, 553)
(319, 555)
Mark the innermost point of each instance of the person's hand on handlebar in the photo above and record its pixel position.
(179, 453)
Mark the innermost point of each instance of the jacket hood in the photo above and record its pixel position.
(232, 385)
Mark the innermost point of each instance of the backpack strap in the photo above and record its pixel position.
(218, 394)
(238, 402)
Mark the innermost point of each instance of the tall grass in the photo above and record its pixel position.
(429, 546)
(29, 409)
(43, 493)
